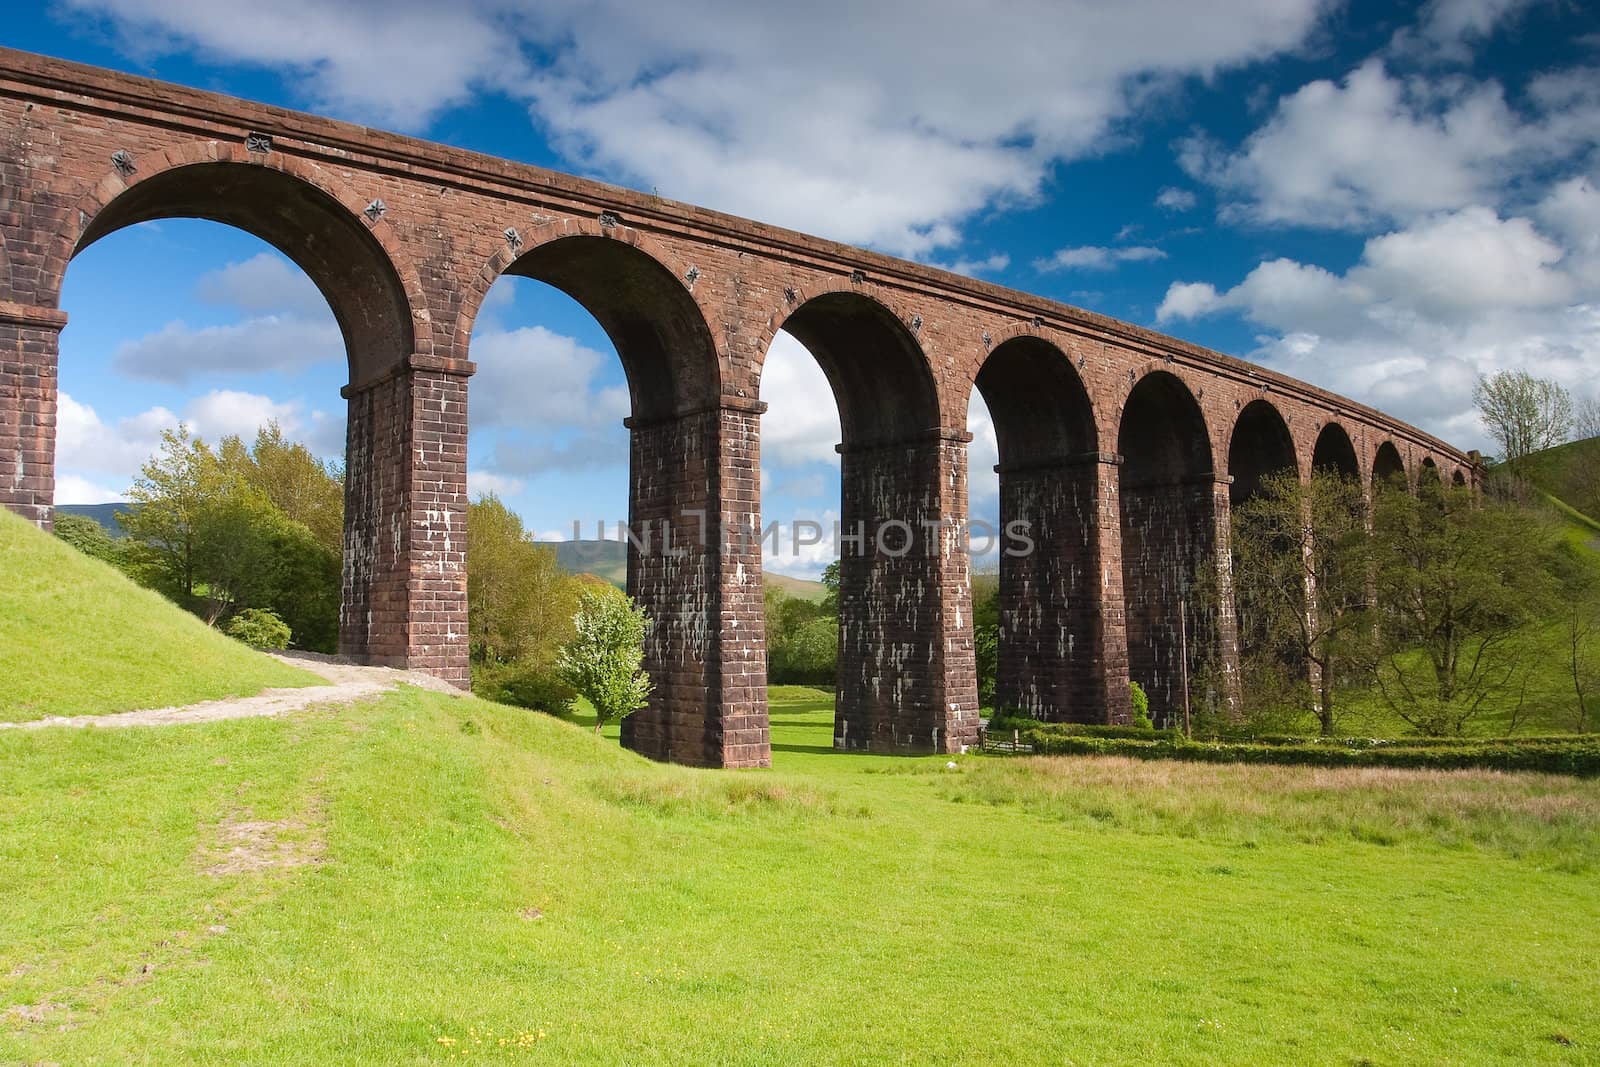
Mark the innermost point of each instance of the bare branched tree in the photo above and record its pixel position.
(1523, 413)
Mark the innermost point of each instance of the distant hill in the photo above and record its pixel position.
(609, 560)
(603, 559)
(104, 514)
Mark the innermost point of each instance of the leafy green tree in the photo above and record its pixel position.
(200, 532)
(90, 538)
(1301, 569)
(259, 628)
(604, 659)
(299, 484)
(206, 534)
(986, 634)
(519, 601)
(1457, 584)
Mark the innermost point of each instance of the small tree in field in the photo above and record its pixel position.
(604, 660)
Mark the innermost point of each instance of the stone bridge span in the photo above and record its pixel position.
(1122, 449)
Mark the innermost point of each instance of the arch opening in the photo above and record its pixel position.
(1049, 629)
(1388, 469)
(214, 335)
(548, 429)
(892, 458)
(1335, 452)
(1261, 446)
(316, 232)
(1168, 514)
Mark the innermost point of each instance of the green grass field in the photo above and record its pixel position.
(421, 879)
(79, 638)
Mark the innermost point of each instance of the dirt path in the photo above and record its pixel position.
(346, 682)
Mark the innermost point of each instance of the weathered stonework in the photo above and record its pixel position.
(405, 238)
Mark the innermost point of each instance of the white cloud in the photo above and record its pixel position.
(972, 268)
(1426, 309)
(535, 378)
(880, 124)
(1095, 257)
(480, 482)
(177, 352)
(1449, 29)
(397, 63)
(1377, 149)
(265, 283)
(983, 452)
(802, 420)
(1174, 199)
(72, 489)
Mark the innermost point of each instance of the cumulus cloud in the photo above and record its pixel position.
(1377, 149)
(265, 283)
(1175, 199)
(814, 122)
(802, 420)
(96, 457)
(1427, 309)
(72, 489)
(178, 353)
(1095, 257)
(481, 482)
(398, 63)
(533, 377)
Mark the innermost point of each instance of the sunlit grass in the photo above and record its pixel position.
(78, 638)
(425, 879)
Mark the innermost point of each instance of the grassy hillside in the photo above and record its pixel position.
(1570, 473)
(799, 588)
(78, 638)
(271, 891)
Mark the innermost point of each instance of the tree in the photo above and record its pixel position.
(299, 484)
(200, 533)
(604, 659)
(1586, 418)
(205, 534)
(90, 538)
(519, 609)
(1300, 574)
(986, 634)
(1457, 585)
(1523, 413)
(1579, 575)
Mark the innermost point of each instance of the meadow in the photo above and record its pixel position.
(424, 879)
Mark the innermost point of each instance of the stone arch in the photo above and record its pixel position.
(1388, 468)
(636, 291)
(1458, 478)
(677, 483)
(900, 620)
(1052, 635)
(1334, 451)
(1260, 446)
(1169, 509)
(881, 379)
(1429, 483)
(353, 258)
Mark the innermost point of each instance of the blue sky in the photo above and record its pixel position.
(1384, 200)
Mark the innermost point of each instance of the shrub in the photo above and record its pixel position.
(259, 628)
(1577, 755)
(1140, 704)
(524, 685)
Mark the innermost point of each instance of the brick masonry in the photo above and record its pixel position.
(405, 238)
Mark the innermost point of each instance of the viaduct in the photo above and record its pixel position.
(1123, 449)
